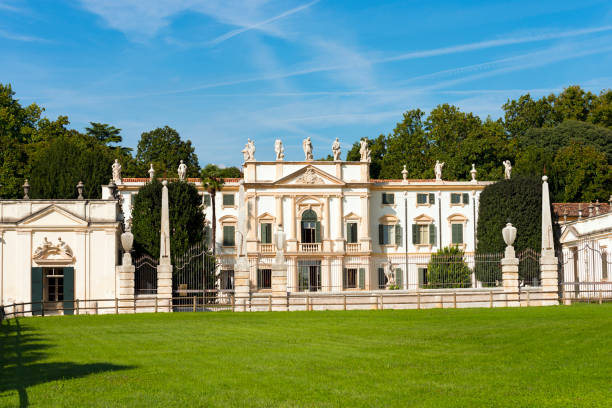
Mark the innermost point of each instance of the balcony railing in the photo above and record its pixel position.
(266, 248)
(311, 247)
(354, 247)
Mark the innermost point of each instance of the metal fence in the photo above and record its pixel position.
(584, 272)
(145, 275)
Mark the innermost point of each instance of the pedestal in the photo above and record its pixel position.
(126, 288)
(164, 287)
(279, 286)
(549, 277)
(510, 279)
(242, 284)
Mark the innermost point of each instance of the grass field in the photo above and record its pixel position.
(529, 357)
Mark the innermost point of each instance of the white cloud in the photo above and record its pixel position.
(21, 37)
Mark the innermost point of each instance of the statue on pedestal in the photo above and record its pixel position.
(279, 149)
(364, 150)
(438, 170)
(182, 171)
(473, 173)
(336, 150)
(116, 167)
(507, 169)
(249, 150)
(307, 146)
(151, 172)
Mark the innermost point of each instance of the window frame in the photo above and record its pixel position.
(264, 278)
(385, 198)
(225, 243)
(233, 204)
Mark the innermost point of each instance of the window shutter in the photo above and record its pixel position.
(381, 278)
(466, 198)
(381, 234)
(361, 278)
(460, 233)
(432, 198)
(229, 238)
(318, 231)
(343, 278)
(69, 290)
(37, 290)
(384, 198)
(398, 235)
(263, 233)
(399, 277)
(454, 233)
(415, 234)
(432, 234)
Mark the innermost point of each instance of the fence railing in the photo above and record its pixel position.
(229, 301)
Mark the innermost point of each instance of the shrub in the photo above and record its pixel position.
(186, 218)
(447, 269)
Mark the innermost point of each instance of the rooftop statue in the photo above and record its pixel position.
(279, 149)
(182, 171)
(307, 146)
(336, 150)
(249, 151)
(438, 170)
(507, 169)
(151, 172)
(116, 167)
(364, 150)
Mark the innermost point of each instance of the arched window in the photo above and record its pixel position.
(311, 227)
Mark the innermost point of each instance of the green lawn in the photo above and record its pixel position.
(530, 357)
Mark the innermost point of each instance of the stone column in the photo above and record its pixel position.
(126, 275)
(292, 241)
(326, 226)
(510, 268)
(340, 225)
(549, 266)
(164, 269)
(366, 241)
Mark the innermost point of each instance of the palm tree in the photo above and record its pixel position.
(212, 182)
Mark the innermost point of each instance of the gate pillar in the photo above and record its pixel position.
(279, 286)
(242, 284)
(127, 272)
(510, 268)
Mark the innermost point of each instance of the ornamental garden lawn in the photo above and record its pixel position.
(546, 356)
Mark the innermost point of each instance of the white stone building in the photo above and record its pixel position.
(342, 228)
(58, 251)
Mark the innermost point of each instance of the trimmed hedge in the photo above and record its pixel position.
(447, 269)
(186, 217)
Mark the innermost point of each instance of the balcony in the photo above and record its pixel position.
(266, 248)
(310, 247)
(354, 247)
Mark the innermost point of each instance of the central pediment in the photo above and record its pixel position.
(309, 176)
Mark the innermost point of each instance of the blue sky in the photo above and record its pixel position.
(224, 71)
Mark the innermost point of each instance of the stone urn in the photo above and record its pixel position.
(509, 234)
(127, 240)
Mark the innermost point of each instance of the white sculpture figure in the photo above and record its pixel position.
(279, 240)
(473, 173)
(405, 175)
(507, 169)
(279, 149)
(116, 167)
(249, 150)
(182, 171)
(307, 146)
(336, 149)
(364, 150)
(151, 172)
(390, 274)
(438, 170)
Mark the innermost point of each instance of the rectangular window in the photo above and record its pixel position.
(350, 278)
(351, 232)
(309, 275)
(228, 200)
(457, 233)
(422, 233)
(432, 198)
(266, 233)
(55, 284)
(466, 198)
(385, 234)
(206, 200)
(455, 198)
(264, 279)
(229, 235)
(388, 198)
(421, 198)
(227, 279)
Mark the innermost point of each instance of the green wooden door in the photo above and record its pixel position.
(37, 290)
(69, 290)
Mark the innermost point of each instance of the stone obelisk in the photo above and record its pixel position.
(164, 269)
(549, 267)
(242, 271)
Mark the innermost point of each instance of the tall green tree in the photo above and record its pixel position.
(378, 150)
(104, 133)
(165, 149)
(186, 218)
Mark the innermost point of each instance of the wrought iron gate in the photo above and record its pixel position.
(195, 276)
(585, 272)
(145, 275)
